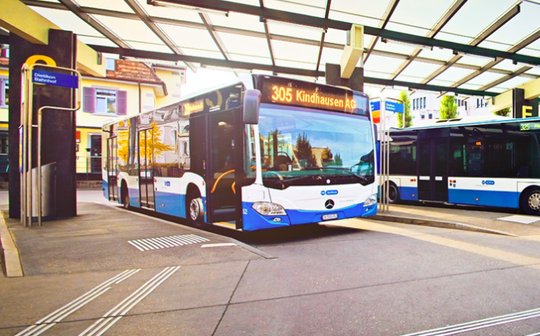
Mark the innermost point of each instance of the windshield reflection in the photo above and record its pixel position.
(301, 147)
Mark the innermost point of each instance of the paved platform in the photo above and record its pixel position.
(472, 219)
(109, 237)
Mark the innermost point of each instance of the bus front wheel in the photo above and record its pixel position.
(195, 209)
(530, 201)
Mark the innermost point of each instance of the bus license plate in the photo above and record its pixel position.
(329, 216)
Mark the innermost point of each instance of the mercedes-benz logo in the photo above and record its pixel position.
(329, 204)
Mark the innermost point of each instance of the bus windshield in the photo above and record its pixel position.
(302, 146)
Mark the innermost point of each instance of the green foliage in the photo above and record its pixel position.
(448, 108)
(505, 112)
(304, 152)
(404, 97)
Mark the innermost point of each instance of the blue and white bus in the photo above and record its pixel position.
(489, 164)
(267, 153)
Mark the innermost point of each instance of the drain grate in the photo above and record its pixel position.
(148, 244)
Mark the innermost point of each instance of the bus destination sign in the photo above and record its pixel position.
(305, 94)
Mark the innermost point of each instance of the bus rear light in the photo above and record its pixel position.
(269, 209)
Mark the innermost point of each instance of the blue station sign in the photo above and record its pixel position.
(54, 78)
(375, 105)
(392, 106)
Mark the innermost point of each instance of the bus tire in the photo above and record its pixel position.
(530, 201)
(194, 208)
(125, 195)
(393, 193)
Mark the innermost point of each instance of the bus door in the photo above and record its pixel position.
(225, 163)
(112, 168)
(146, 176)
(433, 165)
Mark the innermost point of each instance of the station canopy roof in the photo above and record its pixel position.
(471, 47)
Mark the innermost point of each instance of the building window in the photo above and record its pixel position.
(4, 91)
(105, 101)
(424, 100)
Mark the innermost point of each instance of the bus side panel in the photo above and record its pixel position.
(170, 193)
(132, 183)
(407, 186)
(497, 192)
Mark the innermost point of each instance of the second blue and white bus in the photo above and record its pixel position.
(488, 164)
(265, 153)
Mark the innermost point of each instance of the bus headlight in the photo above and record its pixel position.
(371, 200)
(269, 209)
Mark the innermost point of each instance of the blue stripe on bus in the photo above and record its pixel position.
(506, 199)
(408, 193)
(171, 204)
(134, 197)
(105, 188)
(252, 220)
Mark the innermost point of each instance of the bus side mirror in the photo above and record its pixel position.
(252, 102)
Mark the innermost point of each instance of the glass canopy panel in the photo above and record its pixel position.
(377, 74)
(294, 52)
(68, 21)
(365, 12)
(340, 36)
(532, 49)
(120, 6)
(454, 74)
(170, 12)
(417, 16)
(245, 45)
(440, 82)
(519, 27)
(295, 64)
(102, 41)
(156, 46)
(485, 78)
(185, 37)
(437, 53)
(495, 45)
(498, 89)
(330, 55)
(383, 64)
(508, 65)
(288, 29)
(202, 53)
(514, 82)
(475, 16)
(474, 60)
(237, 20)
(306, 7)
(534, 71)
(453, 37)
(396, 47)
(137, 32)
(418, 71)
(250, 59)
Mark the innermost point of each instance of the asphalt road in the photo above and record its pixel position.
(363, 278)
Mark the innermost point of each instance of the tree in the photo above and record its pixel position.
(448, 108)
(304, 152)
(505, 112)
(404, 96)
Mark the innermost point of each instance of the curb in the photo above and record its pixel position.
(10, 253)
(440, 224)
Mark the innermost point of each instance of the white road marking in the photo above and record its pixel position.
(112, 316)
(479, 324)
(166, 242)
(218, 245)
(58, 315)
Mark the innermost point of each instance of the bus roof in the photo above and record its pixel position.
(461, 123)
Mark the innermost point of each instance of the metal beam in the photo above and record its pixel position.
(434, 31)
(488, 67)
(323, 35)
(268, 39)
(276, 69)
(506, 78)
(319, 22)
(94, 23)
(386, 17)
(512, 12)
